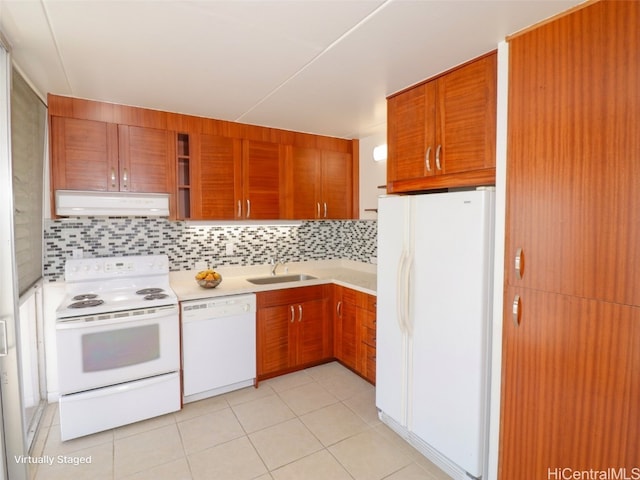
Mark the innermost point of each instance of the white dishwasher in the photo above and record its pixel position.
(218, 345)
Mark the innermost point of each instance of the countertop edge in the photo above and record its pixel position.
(185, 287)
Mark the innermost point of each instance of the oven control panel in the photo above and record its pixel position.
(77, 270)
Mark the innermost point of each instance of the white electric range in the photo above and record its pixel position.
(118, 342)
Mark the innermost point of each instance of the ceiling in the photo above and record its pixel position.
(318, 66)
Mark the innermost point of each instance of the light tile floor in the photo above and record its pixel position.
(320, 423)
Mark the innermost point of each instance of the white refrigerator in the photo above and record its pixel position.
(435, 258)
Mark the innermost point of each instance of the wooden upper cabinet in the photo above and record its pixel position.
(573, 155)
(102, 156)
(337, 184)
(84, 155)
(213, 169)
(319, 184)
(466, 118)
(441, 133)
(146, 163)
(263, 181)
(216, 184)
(409, 143)
(302, 183)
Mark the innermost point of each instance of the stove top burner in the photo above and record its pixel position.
(148, 291)
(86, 303)
(155, 296)
(85, 296)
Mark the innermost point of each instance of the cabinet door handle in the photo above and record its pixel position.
(239, 209)
(248, 208)
(515, 310)
(113, 177)
(339, 309)
(519, 262)
(325, 209)
(293, 313)
(427, 159)
(438, 166)
(4, 349)
(299, 313)
(318, 208)
(125, 178)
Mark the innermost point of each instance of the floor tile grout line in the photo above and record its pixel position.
(320, 380)
(184, 450)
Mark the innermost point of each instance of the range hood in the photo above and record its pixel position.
(77, 203)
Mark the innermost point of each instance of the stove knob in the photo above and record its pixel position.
(86, 268)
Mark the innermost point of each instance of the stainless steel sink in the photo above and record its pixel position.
(298, 277)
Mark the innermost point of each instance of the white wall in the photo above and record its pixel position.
(372, 173)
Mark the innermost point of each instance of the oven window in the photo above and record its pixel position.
(120, 348)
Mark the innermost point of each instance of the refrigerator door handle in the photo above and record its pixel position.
(400, 291)
(408, 320)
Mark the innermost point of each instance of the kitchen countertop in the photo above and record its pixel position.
(356, 275)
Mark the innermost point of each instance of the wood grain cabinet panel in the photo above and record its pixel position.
(441, 133)
(574, 167)
(146, 163)
(216, 183)
(84, 155)
(355, 331)
(319, 184)
(101, 156)
(294, 330)
(262, 180)
(571, 355)
(571, 395)
(346, 326)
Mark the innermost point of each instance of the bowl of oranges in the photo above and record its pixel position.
(208, 278)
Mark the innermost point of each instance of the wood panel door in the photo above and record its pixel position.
(571, 369)
(337, 185)
(466, 117)
(570, 387)
(410, 133)
(303, 183)
(263, 180)
(573, 183)
(347, 326)
(146, 161)
(217, 178)
(84, 155)
(274, 339)
(313, 341)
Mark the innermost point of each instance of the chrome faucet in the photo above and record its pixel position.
(275, 261)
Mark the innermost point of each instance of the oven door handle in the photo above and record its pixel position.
(91, 322)
(123, 387)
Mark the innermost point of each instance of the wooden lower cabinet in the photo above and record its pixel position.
(355, 331)
(570, 388)
(293, 329)
(367, 354)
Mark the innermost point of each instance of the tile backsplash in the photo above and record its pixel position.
(186, 244)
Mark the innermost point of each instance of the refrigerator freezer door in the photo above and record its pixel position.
(451, 292)
(391, 353)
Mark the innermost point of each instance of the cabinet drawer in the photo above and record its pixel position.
(368, 319)
(371, 364)
(287, 296)
(371, 303)
(369, 336)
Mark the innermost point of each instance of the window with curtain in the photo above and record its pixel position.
(28, 122)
